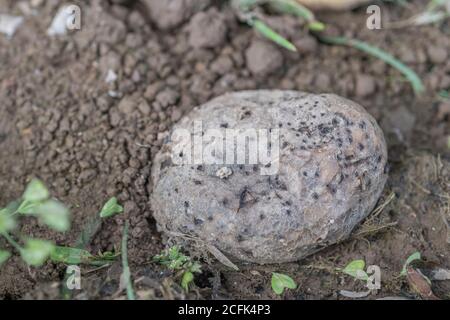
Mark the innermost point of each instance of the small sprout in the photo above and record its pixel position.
(77, 256)
(414, 257)
(70, 255)
(187, 278)
(36, 191)
(36, 201)
(270, 34)
(444, 94)
(55, 215)
(111, 208)
(7, 221)
(281, 281)
(36, 251)
(4, 255)
(296, 9)
(316, 26)
(355, 269)
(173, 259)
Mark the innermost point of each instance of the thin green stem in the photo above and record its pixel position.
(11, 241)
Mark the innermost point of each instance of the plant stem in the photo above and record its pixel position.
(12, 241)
(126, 269)
(410, 75)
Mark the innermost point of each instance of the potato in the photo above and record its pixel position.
(325, 173)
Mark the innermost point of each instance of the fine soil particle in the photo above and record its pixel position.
(89, 139)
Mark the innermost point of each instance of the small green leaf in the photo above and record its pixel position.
(54, 214)
(7, 221)
(356, 270)
(70, 255)
(270, 34)
(281, 281)
(36, 251)
(4, 255)
(36, 191)
(111, 208)
(188, 277)
(415, 256)
(316, 26)
(28, 207)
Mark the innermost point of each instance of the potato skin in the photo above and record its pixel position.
(331, 173)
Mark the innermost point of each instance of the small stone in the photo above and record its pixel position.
(323, 178)
(306, 44)
(437, 55)
(111, 76)
(127, 105)
(443, 111)
(144, 108)
(9, 24)
(167, 97)
(207, 29)
(365, 85)
(152, 90)
(169, 14)
(175, 115)
(263, 58)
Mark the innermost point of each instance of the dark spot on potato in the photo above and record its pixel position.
(198, 221)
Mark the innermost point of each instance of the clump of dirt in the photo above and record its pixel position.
(89, 138)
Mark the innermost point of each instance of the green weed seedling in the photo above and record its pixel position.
(175, 260)
(36, 202)
(246, 10)
(355, 269)
(281, 281)
(413, 257)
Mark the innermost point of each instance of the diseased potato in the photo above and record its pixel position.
(323, 175)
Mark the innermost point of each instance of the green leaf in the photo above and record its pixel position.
(195, 268)
(36, 251)
(281, 281)
(70, 255)
(356, 270)
(28, 207)
(111, 208)
(270, 34)
(55, 215)
(4, 255)
(36, 191)
(292, 7)
(7, 221)
(415, 256)
(188, 277)
(316, 26)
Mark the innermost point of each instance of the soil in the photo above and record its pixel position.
(89, 140)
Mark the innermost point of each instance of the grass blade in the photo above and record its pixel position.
(272, 35)
(294, 8)
(410, 75)
(126, 269)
